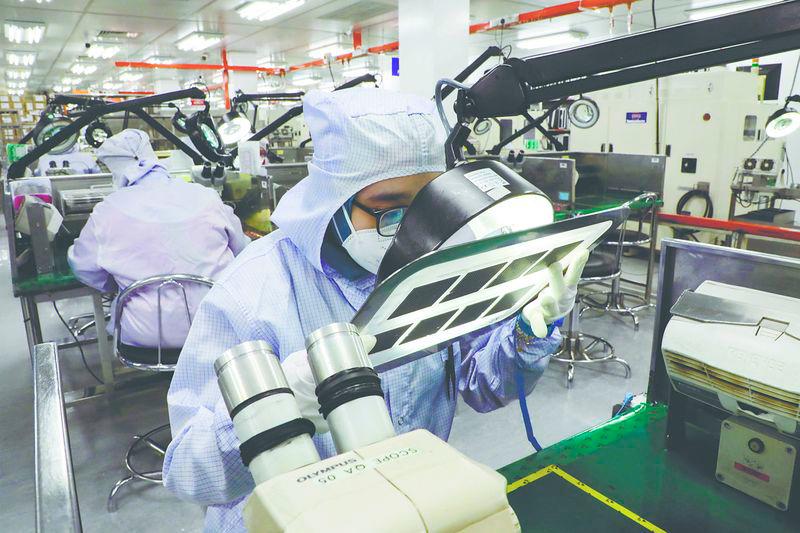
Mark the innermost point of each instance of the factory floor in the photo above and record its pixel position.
(100, 430)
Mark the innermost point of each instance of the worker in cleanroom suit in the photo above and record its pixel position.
(71, 161)
(373, 149)
(153, 225)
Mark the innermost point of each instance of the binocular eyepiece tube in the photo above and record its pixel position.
(274, 436)
(348, 389)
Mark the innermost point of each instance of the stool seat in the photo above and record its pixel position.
(148, 356)
(632, 237)
(602, 263)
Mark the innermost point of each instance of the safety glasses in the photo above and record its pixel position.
(388, 219)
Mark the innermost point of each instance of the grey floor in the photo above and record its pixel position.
(100, 430)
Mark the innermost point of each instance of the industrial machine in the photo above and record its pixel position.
(736, 349)
(281, 177)
(711, 125)
(555, 177)
(605, 174)
(75, 196)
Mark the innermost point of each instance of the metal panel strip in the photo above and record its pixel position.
(57, 508)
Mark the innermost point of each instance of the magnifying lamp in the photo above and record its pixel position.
(784, 121)
(96, 134)
(477, 200)
(583, 113)
(204, 135)
(179, 120)
(51, 128)
(235, 127)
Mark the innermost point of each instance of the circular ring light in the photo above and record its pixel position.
(482, 126)
(235, 127)
(96, 134)
(210, 136)
(51, 128)
(782, 123)
(204, 136)
(583, 113)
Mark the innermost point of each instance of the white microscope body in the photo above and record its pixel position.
(379, 481)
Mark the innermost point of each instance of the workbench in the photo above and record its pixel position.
(735, 231)
(653, 468)
(61, 284)
(619, 476)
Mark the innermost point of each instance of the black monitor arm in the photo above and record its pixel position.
(297, 110)
(137, 105)
(511, 88)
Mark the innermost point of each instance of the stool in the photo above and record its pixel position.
(158, 359)
(575, 349)
(614, 300)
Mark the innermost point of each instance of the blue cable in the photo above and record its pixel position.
(625, 403)
(520, 379)
(523, 406)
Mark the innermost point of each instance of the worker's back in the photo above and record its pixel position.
(155, 227)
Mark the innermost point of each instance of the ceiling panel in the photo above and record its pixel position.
(10, 6)
(150, 9)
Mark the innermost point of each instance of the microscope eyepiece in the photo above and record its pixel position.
(274, 436)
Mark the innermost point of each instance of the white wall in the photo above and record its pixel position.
(435, 42)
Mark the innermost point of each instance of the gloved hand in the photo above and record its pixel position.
(558, 299)
(301, 381)
(298, 373)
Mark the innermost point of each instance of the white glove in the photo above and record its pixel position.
(558, 299)
(301, 381)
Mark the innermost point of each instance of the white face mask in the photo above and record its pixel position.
(367, 248)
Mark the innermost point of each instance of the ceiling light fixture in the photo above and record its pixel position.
(198, 40)
(83, 69)
(262, 11)
(707, 10)
(18, 74)
(17, 84)
(354, 70)
(269, 62)
(160, 60)
(304, 79)
(334, 48)
(70, 81)
(561, 38)
(102, 51)
(20, 59)
(130, 76)
(24, 32)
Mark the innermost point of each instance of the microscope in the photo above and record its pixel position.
(379, 481)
